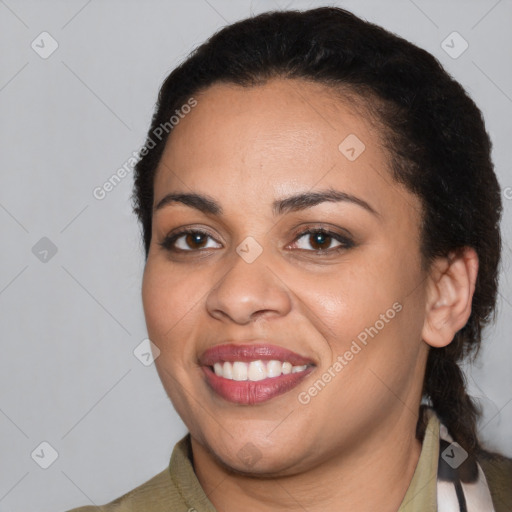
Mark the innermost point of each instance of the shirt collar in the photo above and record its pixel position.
(421, 495)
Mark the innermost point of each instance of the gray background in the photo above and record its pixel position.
(70, 324)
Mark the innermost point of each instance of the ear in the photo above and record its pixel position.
(450, 289)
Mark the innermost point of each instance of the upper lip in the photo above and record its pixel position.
(251, 352)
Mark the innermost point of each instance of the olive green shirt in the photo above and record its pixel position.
(178, 489)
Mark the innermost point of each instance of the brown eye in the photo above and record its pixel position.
(320, 240)
(195, 240)
(188, 240)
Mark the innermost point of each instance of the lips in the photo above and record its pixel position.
(250, 392)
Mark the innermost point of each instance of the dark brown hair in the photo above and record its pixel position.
(435, 135)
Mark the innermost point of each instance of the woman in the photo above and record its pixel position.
(321, 224)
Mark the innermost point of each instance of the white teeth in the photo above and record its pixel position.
(227, 370)
(255, 370)
(217, 367)
(287, 368)
(274, 368)
(239, 371)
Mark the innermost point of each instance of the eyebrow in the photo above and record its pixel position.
(293, 203)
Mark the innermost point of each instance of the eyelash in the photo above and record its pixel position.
(345, 242)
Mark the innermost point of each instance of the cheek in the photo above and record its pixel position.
(170, 302)
(351, 293)
(367, 298)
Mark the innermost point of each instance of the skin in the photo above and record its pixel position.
(352, 447)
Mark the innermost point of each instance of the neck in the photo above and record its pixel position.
(375, 476)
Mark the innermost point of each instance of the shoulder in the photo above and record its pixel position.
(163, 492)
(498, 473)
(158, 494)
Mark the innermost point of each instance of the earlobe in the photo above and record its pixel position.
(450, 289)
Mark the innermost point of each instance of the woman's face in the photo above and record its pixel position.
(279, 276)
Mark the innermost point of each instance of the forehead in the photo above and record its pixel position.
(274, 139)
(281, 117)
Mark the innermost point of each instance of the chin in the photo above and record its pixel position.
(257, 455)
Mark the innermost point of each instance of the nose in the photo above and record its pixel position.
(247, 291)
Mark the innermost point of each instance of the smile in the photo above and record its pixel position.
(252, 374)
(255, 370)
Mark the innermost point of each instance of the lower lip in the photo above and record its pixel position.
(247, 392)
